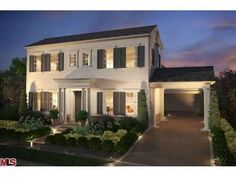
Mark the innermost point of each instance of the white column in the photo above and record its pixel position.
(88, 100)
(162, 103)
(60, 103)
(206, 95)
(64, 104)
(83, 95)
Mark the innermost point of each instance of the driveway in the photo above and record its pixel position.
(177, 142)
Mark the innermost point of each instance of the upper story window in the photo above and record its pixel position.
(85, 59)
(35, 63)
(54, 62)
(108, 58)
(131, 57)
(73, 59)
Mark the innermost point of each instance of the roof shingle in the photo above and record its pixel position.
(201, 73)
(95, 35)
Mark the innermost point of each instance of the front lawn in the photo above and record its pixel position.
(48, 158)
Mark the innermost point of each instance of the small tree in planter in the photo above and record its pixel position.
(82, 117)
(54, 116)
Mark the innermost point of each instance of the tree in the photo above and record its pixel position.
(22, 104)
(142, 108)
(214, 113)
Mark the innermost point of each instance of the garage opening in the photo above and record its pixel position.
(183, 101)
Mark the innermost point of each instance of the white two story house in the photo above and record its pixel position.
(102, 73)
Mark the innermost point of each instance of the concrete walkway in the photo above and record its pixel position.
(177, 142)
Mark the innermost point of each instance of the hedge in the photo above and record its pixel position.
(48, 158)
(95, 143)
(23, 136)
(220, 147)
(230, 135)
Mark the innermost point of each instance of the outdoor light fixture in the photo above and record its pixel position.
(140, 137)
(31, 144)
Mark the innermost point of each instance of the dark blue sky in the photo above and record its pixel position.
(190, 38)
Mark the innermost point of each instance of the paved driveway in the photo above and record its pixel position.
(177, 142)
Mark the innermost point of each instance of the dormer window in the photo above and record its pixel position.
(73, 60)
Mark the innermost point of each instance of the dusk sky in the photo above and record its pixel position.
(190, 38)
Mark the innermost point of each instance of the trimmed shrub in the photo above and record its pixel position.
(214, 113)
(40, 115)
(143, 109)
(95, 144)
(230, 135)
(108, 146)
(127, 123)
(220, 148)
(96, 127)
(22, 104)
(126, 142)
(54, 114)
(9, 112)
(82, 142)
(82, 116)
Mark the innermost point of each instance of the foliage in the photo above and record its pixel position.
(230, 135)
(96, 127)
(23, 134)
(22, 104)
(226, 88)
(220, 148)
(54, 114)
(82, 116)
(41, 116)
(48, 158)
(30, 123)
(81, 131)
(95, 143)
(201, 102)
(142, 108)
(9, 112)
(214, 114)
(127, 123)
(126, 142)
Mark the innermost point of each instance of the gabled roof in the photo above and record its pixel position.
(96, 35)
(201, 73)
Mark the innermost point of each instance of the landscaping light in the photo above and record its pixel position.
(140, 137)
(31, 143)
(54, 131)
(110, 157)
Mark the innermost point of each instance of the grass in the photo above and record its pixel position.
(48, 158)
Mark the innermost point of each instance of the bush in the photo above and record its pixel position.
(126, 142)
(96, 127)
(214, 114)
(40, 115)
(22, 104)
(95, 144)
(30, 123)
(143, 109)
(81, 131)
(82, 116)
(108, 146)
(54, 114)
(220, 148)
(9, 112)
(82, 142)
(230, 135)
(127, 123)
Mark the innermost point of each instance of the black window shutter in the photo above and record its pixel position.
(116, 103)
(153, 57)
(122, 57)
(141, 56)
(100, 59)
(122, 103)
(61, 61)
(42, 62)
(31, 63)
(116, 57)
(48, 62)
(99, 102)
(30, 101)
(159, 60)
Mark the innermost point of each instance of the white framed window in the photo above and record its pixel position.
(108, 58)
(131, 57)
(131, 103)
(54, 62)
(73, 59)
(85, 59)
(37, 63)
(108, 102)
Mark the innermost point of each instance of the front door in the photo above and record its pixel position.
(77, 102)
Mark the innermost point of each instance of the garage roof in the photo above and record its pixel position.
(200, 73)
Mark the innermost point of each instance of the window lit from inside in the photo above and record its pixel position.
(85, 59)
(131, 57)
(73, 61)
(54, 62)
(131, 103)
(108, 102)
(108, 58)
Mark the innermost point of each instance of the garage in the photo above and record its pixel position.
(183, 101)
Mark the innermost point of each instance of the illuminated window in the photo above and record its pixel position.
(108, 58)
(131, 57)
(85, 59)
(37, 63)
(108, 102)
(131, 103)
(54, 62)
(73, 60)
(54, 100)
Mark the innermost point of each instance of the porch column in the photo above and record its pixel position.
(162, 103)
(206, 95)
(83, 95)
(64, 104)
(60, 103)
(88, 100)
